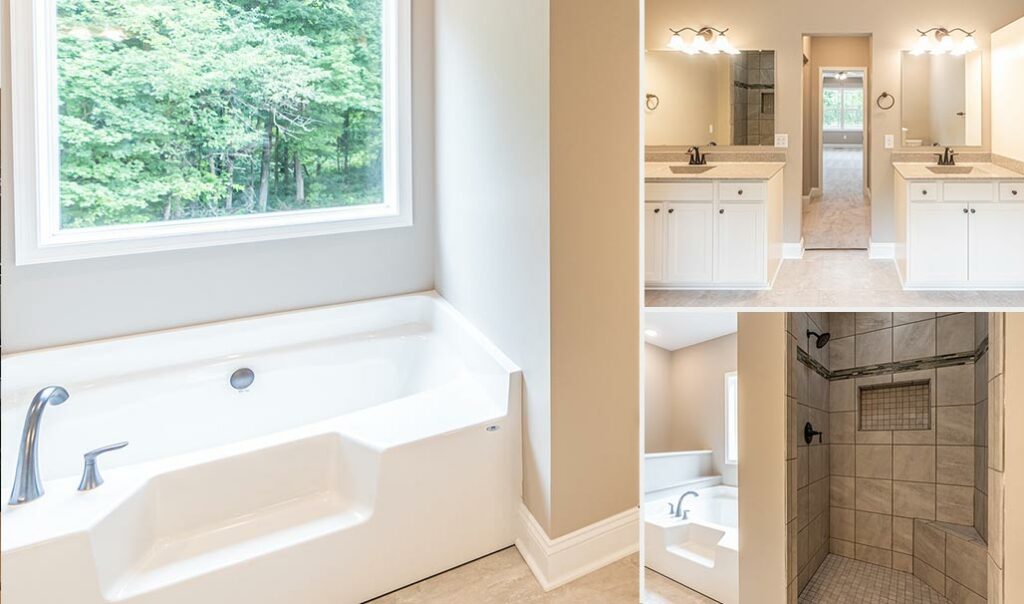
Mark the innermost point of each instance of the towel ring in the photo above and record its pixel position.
(652, 102)
(882, 97)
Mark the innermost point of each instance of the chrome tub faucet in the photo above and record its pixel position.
(27, 485)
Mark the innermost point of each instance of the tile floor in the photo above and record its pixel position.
(504, 577)
(841, 580)
(835, 278)
(841, 217)
(659, 589)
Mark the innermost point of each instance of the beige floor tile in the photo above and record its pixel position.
(659, 589)
(504, 577)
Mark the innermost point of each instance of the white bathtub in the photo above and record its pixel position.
(378, 445)
(701, 552)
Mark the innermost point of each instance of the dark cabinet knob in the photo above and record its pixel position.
(924, 191)
(965, 210)
(656, 210)
(722, 211)
(670, 210)
(1013, 192)
(973, 211)
(740, 192)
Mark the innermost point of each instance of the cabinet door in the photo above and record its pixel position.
(654, 242)
(937, 246)
(740, 244)
(689, 239)
(996, 237)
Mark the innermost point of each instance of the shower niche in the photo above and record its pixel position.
(897, 406)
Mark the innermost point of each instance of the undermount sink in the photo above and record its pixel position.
(689, 169)
(951, 169)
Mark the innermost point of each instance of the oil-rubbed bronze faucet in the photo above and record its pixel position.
(947, 157)
(696, 157)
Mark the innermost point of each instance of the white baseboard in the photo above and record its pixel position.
(555, 562)
(793, 251)
(881, 251)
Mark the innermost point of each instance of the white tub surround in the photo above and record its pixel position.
(701, 552)
(379, 444)
(675, 468)
(959, 230)
(717, 229)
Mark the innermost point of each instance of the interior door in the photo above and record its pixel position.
(654, 242)
(937, 243)
(689, 242)
(740, 244)
(996, 237)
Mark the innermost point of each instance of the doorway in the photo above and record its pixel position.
(837, 211)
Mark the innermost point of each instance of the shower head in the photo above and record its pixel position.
(820, 339)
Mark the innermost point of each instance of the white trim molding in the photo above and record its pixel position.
(555, 562)
(881, 251)
(38, 236)
(793, 251)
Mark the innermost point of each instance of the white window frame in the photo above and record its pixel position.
(842, 109)
(36, 175)
(732, 416)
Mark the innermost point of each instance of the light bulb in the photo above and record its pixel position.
(946, 44)
(723, 45)
(921, 46)
(969, 44)
(699, 45)
(676, 42)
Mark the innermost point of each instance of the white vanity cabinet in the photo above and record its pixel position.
(960, 234)
(713, 233)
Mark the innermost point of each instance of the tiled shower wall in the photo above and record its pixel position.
(807, 464)
(884, 479)
(753, 98)
(996, 452)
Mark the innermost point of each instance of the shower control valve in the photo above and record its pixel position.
(810, 433)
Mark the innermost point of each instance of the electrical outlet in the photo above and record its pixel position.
(782, 140)
(890, 141)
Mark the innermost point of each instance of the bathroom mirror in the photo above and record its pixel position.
(941, 100)
(729, 99)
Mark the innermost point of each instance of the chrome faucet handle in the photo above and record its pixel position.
(91, 472)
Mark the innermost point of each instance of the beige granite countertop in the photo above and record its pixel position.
(739, 170)
(981, 171)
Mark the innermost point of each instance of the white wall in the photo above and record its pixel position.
(64, 302)
(492, 161)
(1008, 91)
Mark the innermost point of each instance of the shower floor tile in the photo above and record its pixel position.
(841, 580)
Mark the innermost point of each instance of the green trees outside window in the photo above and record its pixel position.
(184, 109)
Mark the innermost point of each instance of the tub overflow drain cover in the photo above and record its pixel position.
(242, 378)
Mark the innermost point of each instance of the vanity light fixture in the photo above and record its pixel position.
(707, 40)
(939, 41)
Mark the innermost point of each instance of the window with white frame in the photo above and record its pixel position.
(731, 418)
(161, 124)
(842, 108)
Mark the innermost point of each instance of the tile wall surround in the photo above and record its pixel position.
(807, 464)
(995, 456)
(752, 98)
(883, 483)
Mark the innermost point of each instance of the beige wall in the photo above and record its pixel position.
(762, 519)
(692, 98)
(596, 281)
(915, 86)
(1014, 458)
(698, 399)
(1008, 89)
(657, 399)
(828, 51)
(779, 25)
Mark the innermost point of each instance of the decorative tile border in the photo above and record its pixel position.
(935, 362)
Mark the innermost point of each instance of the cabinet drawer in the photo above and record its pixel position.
(741, 191)
(683, 191)
(1011, 191)
(967, 191)
(924, 191)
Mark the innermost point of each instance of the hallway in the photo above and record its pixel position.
(841, 217)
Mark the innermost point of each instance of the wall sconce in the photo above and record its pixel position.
(943, 42)
(707, 40)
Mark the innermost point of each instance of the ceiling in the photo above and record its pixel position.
(679, 329)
